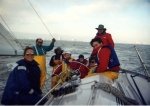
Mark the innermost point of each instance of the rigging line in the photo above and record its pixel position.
(16, 40)
(40, 18)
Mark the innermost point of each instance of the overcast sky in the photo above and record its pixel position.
(127, 20)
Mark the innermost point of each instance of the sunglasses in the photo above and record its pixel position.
(40, 42)
(92, 62)
(29, 54)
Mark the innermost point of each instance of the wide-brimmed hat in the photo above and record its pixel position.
(58, 48)
(100, 27)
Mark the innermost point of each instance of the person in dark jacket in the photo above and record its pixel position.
(57, 58)
(23, 84)
(55, 61)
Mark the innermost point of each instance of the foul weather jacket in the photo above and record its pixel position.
(106, 38)
(84, 62)
(23, 84)
(55, 61)
(41, 50)
(102, 55)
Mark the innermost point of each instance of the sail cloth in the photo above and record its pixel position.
(8, 44)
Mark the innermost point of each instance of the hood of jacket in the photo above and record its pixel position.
(22, 62)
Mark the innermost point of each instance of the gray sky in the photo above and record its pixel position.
(127, 20)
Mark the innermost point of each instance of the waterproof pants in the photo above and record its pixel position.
(55, 78)
(109, 74)
(41, 60)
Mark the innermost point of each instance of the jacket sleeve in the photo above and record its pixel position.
(103, 56)
(48, 48)
(51, 63)
(110, 40)
(22, 81)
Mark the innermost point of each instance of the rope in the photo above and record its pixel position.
(40, 18)
(92, 96)
(110, 89)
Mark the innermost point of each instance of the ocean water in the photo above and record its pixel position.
(127, 55)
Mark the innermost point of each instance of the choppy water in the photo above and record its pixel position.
(126, 53)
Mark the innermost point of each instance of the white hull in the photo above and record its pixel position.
(85, 95)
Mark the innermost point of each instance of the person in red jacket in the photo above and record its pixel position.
(102, 54)
(82, 60)
(105, 37)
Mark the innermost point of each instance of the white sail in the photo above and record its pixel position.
(8, 44)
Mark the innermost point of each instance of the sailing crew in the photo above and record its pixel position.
(106, 58)
(92, 66)
(81, 66)
(82, 60)
(64, 67)
(105, 37)
(23, 83)
(40, 57)
(55, 61)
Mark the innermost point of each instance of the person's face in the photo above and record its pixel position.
(58, 51)
(81, 60)
(67, 55)
(29, 55)
(39, 42)
(92, 63)
(100, 31)
(96, 44)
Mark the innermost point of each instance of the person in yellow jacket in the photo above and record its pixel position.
(40, 57)
(55, 61)
(66, 66)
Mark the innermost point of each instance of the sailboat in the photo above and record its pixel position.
(131, 88)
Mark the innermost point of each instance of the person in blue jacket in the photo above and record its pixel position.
(23, 84)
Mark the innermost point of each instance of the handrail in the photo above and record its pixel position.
(47, 94)
(143, 64)
(138, 90)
